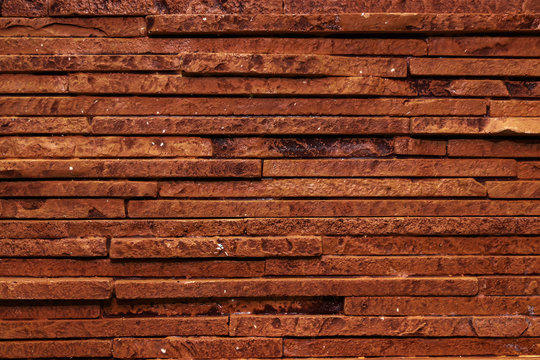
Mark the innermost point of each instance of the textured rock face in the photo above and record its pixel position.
(296, 179)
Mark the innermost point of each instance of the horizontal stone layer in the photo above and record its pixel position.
(419, 326)
(474, 67)
(249, 45)
(103, 147)
(365, 22)
(85, 247)
(485, 46)
(72, 27)
(327, 208)
(56, 349)
(394, 167)
(156, 289)
(430, 245)
(322, 188)
(141, 168)
(409, 347)
(431, 226)
(54, 268)
(215, 247)
(404, 265)
(446, 306)
(88, 105)
(98, 328)
(61, 208)
(20, 288)
(112, 83)
(197, 347)
(494, 148)
(80, 188)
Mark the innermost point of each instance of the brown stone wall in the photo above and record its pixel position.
(259, 179)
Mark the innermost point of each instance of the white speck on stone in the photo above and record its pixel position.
(238, 348)
(147, 123)
(319, 128)
(153, 143)
(204, 19)
(224, 291)
(397, 309)
(41, 45)
(162, 144)
(163, 351)
(157, 112)
(255, 326)
(163, 131)
(392, 70)
(360, 71)
(382, 317)
(69, 58)
(71, 168)
(219, 247)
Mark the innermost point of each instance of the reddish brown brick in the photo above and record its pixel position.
(197, 347)
(326, 208)
(49, 63)
(106, 147)
(392, 226)
(111, 83)
(320, 326)
(494, 148)
(300, 147)
(43, 125)
(249, 125)
(529, 170)
(344, 23)
(513, 189)
(28, 84)
(249, 64)
(446, 306)
(404, 266)
(106, 267)
(144, 7)
(429, 6)
(474, 67)
(409, 347)
(323, 188)
(476, 126)
(430, 245)
(500, 285)
(56, 349)
(61, 208)
(77, 168)
(525, 108)
(432, 226)
(223, 306)
(87, 105)
(73, 27)
(383, 168)
(155, 289)
(112, 188)
(86, 247)
(253, 45)
(478, 88)
(215, 247)
(61, 311)
(26, 8)
(488, 46)
(49, 289)
(57, 329)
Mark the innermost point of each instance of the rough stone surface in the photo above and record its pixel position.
(343, 23)
(276, 179)
(320, 188)
(72, 27)
(384, 168)
(155, 289)
(215, 247)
